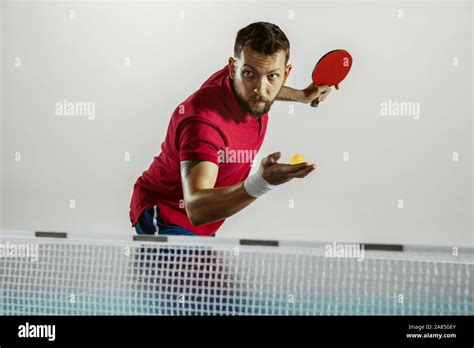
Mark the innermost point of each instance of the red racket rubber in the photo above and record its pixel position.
(331, 69)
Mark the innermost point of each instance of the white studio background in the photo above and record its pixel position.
(383, 179)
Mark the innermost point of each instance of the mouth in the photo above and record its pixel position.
(258, 102)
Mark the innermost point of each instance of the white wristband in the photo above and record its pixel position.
(256, 185)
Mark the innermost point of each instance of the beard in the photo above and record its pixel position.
(249, 108)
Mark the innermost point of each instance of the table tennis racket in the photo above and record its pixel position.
(331, 69)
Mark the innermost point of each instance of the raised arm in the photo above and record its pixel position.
(290, 94)
(306, 95)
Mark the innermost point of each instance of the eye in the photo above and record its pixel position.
(273, 77)
(248, 73)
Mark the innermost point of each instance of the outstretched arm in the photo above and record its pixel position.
(290, 94)
(306, 95)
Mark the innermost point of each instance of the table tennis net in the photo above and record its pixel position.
(65, 278)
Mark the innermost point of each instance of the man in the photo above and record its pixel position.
(201, 176)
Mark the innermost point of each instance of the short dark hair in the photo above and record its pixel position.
(262, 37)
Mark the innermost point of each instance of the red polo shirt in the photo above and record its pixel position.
(208, 126)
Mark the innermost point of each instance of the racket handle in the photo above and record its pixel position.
(315, 103)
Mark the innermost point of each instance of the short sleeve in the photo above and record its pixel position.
(200, 141)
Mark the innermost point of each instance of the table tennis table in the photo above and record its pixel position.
(175, 275)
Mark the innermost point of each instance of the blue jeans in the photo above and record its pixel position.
(150, 223)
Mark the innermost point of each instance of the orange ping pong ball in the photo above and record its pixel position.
(297, 159)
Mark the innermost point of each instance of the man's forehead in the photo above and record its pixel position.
(258, 61)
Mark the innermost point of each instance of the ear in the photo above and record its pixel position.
(232, 67)
(287, 71)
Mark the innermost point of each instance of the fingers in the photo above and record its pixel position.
(325, 90)
(289, 168)
(304, 172)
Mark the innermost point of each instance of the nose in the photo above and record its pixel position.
(259, 91)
